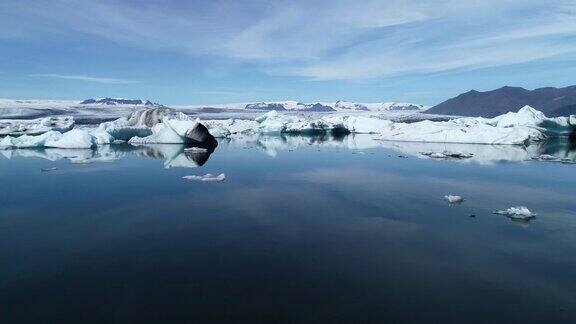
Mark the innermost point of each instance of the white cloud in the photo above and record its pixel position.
(83, 78)
(338, 39)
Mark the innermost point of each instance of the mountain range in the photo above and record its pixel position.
(119, 101)
(551, 101)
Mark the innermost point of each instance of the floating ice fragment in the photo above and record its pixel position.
(196, 149)
(520, 212)
(74, 139)
(16, 127)
(453, 199)
(546, 157)
(49, 169)
(447, 155)
(206, 178)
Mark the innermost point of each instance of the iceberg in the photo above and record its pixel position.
(150, 126)
(178, 131)
(206, 178)
(517, 213)
(167, 126)
(514, 128)
(74, 139)
(453, 199)
(15, 127)
(448, 155)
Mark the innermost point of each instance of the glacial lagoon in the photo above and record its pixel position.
(302, 229)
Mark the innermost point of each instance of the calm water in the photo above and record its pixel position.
(308, 231)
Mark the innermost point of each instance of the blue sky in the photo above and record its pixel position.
(178, 52)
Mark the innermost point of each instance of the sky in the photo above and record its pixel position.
(222, 51)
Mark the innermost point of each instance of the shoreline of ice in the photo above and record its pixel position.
(166, 126)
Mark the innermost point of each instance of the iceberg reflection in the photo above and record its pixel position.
(173, 155)
(182, 156)
(475, 153)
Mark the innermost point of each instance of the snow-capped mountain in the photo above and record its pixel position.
(402, 106)
(347, 105)
(337, 106)
(97, 110)
(120, 102)
(89, 109)
(395, 106)
(288, 105)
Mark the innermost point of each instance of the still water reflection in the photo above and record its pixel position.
(302, 230)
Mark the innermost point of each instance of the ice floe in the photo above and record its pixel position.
(447, 155)
(209, 177)
(167, 126)
(15, 127)
(454, 199)
(553, 158)
(515, 128)
(518, 213)
(150, 126)
(74, 139)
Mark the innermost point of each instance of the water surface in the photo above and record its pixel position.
(301, 230)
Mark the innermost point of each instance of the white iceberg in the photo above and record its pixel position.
(453, 199)
(166, 126)
(206, 178)
(448, 155)
(15, 127)
(74, 139)
(196, 149)
(151, 126)
(227, 127)
(522, 127)
(518, 213)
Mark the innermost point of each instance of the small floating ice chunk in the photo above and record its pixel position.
(206, 178)
(196, 149)
(447, 155)
(49, 169)
(453, 199)
(520, 212)
(547, 157)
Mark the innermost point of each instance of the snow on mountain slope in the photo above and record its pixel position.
(297, 106)
(347, 105)
(89, 109)
(395, 106)
(289, 105)
(102, 109)
(120, 102)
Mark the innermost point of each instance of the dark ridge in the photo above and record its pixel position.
(551, 101)
(265, 106)
(318, 107)
(565, 111)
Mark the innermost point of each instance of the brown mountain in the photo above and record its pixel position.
(552, 101)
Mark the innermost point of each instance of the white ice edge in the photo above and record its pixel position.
(163, 126)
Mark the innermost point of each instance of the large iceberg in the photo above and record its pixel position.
(150, 126)
(17, 127)
(526, 125)
(167, 126)
(74, 139)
